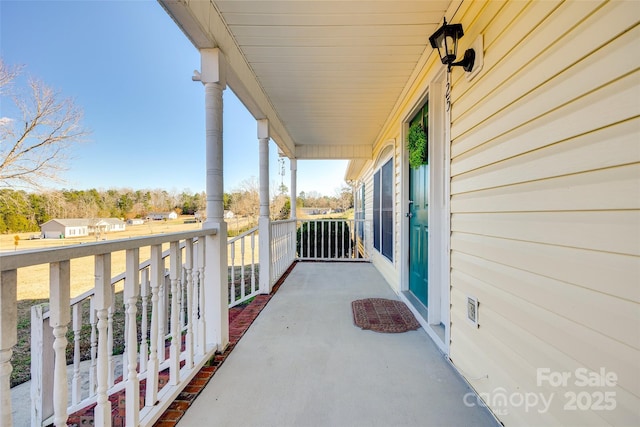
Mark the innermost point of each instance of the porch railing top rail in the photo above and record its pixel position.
(240, 236)
(15, 260)
(284, 221)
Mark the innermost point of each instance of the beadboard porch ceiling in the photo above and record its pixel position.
(327, 74)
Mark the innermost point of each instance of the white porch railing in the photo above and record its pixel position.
(170, 303)
(242, 258)
(171, 325)
(283, 247)
(332, 240)
(317, 240)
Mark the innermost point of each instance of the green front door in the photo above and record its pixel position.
(419, 217)
(419, 232)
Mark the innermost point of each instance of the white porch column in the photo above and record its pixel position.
(216, 294)
(264, 222)
(294, 180)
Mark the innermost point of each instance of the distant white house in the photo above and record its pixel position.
(63, 228)
(159, 216)
(315, 211)
(200, 216)
(79, 227)
(105, 225)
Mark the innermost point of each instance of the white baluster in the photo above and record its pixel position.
(94, 347)
(110, 311)
(309, 240)
(232, 290)
(60, 299)
(253, 271)
(144, 329)
(184, 311)
(124, 356)
(202, 324)
(195, 295)
(75, 381)
(351, 229)
(315, 241)
(157, 279)
(335, 235)
(131, 292)
(8, 339)
(102, 301)
(179, 295)
(162, 316)
(188, 264)
(183, 298)
(243, 291)
(294, 227)
(41, 365)
(174, 350)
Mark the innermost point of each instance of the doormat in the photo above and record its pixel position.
(383, 315)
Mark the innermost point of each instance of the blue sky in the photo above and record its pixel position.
(129, 67)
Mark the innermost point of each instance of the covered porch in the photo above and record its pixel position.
(303, 362)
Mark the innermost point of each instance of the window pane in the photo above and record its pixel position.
(376, 210)
(387, 209)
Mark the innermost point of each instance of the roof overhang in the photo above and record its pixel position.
(327, 75)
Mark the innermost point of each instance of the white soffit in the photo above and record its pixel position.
(332, 70)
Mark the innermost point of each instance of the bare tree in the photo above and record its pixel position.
(344, 197)
(246, 199)
(35, 145)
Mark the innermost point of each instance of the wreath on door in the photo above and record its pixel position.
(417, 146)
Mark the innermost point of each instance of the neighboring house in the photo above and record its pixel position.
(63, 228)
(106, 225)
(516, 243)
(315, 211)
(79, 227)
(159, 216)
(201, 215)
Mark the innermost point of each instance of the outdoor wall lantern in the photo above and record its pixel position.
(446, 41)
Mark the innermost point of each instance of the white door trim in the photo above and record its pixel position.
(438, 316)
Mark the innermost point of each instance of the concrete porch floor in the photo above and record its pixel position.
(303, 362)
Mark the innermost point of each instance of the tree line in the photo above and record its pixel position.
(22, 211)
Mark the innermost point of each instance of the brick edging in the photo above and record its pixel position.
(237, 328)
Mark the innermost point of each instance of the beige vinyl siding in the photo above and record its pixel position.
(545, 204)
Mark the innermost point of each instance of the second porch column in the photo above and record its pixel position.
(216, 292)
(294, 180)
(264, 222)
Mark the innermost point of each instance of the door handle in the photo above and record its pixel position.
(409, 215)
